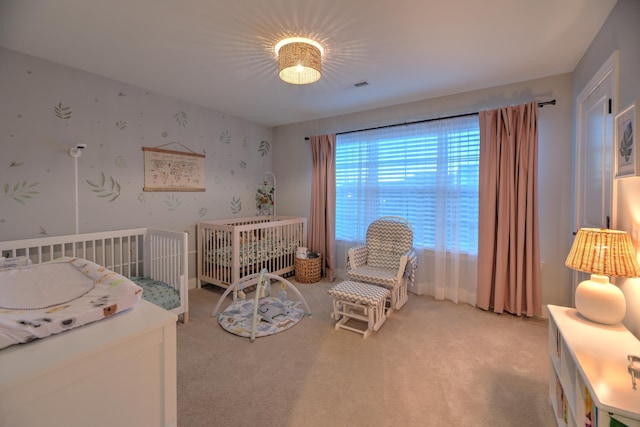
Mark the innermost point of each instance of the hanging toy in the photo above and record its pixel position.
(283, 292)
(265, 289)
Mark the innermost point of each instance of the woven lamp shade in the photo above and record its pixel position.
(604, 252)
(299, 63)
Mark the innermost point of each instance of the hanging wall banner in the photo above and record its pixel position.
(167, 170)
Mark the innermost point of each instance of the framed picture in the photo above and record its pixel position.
(168, 170)
(627, 154)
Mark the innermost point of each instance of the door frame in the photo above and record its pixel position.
(610, 68)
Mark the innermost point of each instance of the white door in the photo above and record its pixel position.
(594, 171)
(596, 152)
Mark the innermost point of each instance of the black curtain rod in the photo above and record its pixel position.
(540, 104)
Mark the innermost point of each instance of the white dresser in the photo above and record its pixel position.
(589, 379)
(119, 371)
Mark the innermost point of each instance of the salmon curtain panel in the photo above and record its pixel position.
(508, 241)
(322, 221)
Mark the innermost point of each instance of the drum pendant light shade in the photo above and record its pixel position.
(299, 61)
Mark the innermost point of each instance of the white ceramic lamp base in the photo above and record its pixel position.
(601, 301)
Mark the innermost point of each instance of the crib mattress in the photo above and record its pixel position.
(45, 299)
(159, 293)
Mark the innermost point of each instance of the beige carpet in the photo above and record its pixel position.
(432, 363)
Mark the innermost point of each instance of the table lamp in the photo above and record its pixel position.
(602, 253)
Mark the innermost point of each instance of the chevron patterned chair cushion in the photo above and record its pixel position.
(360, 293)
(386, 256)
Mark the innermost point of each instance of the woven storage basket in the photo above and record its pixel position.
(308, 270)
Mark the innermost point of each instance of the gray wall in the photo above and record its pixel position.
(620, 32)
(47, 108)
(292, 159)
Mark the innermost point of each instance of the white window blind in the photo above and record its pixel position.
(425, 172)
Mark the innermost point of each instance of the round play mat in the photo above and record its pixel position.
(275, 316)
(271, 315)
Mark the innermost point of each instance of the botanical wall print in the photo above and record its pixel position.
(121, 124)
(169, 170)
(264, 148)
(108, 189)
(236, 205)
(181, 118)
(202, 212)
(62, 112)
(225, 137)
(21, 191)
(627, 153)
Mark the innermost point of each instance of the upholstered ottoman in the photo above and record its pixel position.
(360, 301)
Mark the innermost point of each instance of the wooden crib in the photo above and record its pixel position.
(230, 249)
(154, 259)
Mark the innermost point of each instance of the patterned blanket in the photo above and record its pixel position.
(44, 299)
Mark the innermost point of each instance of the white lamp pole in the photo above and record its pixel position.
(76, 152)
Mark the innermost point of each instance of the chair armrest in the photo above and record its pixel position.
(357, 257)
(408, 265)
(402, 267)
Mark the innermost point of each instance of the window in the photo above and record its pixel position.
(425, 172)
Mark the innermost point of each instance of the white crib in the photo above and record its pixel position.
(157, 256)
(230, 249)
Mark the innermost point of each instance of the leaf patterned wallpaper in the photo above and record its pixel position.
(48, 108)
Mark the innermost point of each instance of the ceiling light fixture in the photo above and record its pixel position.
(299, 60)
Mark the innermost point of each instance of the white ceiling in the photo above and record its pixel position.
(219, 53)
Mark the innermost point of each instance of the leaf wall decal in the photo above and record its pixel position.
(181, 118)
(225, 137)
(62, 112)
(172, 202)
(264, 148)
(102, 190)
(121, 162)
(20, 191)
(236, 205)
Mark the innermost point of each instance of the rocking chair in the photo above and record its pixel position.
(386, 259)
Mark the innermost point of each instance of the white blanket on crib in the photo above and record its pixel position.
(44, 299)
